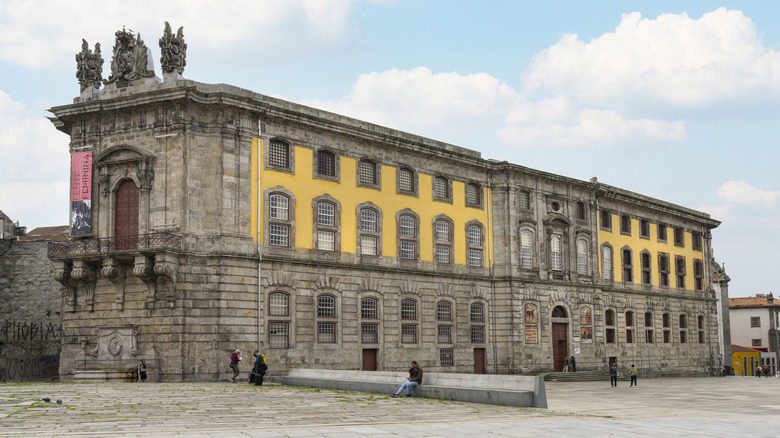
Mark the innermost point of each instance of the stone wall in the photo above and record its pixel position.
(30, 313)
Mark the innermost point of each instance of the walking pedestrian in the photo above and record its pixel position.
(234, 360)
(573, 365)
(758, 371)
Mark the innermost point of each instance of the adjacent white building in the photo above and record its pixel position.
(755, 322)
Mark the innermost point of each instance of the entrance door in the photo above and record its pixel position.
(369, 360)
(560, 344)
(126, 216)
(479, 361)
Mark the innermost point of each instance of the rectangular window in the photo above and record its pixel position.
(326, 240)
(278, 335)
(445, 357)
(679, 237)
(441, 188)
(407, 250)
(526, 251)
(408, 309)
(406, 180)
(667, 336)
(279, 207)
(444, 334)
(625, 224)
(524, 199)
(683, 336)
(644, 229)
(368, 245)
(368, 308)
(610, 336)
(701, 337)
(477, 334)
(696, 241)
(408, 334)
(475, 257)
(442, 231)
(475, 235)
(582, 257)
(755, 321)
(407, 226)
(326, 333)
(606, 220)
(556, 262)
(278, 235)
(473, 194)
(629, 336)
(581, 211)
(368, 220)
(442, 254)
(369, 334)
(278, 154)
(755, 342)
(326, 163)
(368, 172)
(649, 336)
(606, 262)
(326, 214)
(661, 233)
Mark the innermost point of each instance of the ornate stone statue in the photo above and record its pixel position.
(174, 51)
(131, 59)
(89, 66)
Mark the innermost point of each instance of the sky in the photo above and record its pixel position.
(677, 100)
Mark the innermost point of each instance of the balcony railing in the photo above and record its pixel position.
(90, 246)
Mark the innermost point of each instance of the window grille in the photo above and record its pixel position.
(278, 154)
(369, 308)
(326, 163)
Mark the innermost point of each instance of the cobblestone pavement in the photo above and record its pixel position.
(658, 407)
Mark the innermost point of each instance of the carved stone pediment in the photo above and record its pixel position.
(120, 162)
(131, 60)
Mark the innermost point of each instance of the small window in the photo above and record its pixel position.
(559, 312)
(446, 357)
(326, 163)
(443, 311)
(609, 318)
(326, 306)
(368, 220)
(279, 154)
(477, 313)
(644, 229)
(408, 334)
(441, 188)
(367, 172)
(369, 308)
(679, 237)
(755, 321)
(606, 220)
(648, 319)
(278, 335)
(278, 304)
(408, 310)
(667, 337)
(581, 211)
(473, 195)
(661, 233)
(407, 181)
(407, 226)
(755, 342)
(326, 333)
(700, 322)
(683, 336)
(625, 224)
(629, 318)
(326, 213)
(666, 320)
(444, 334)
(279, 235)
(696, 241)
(369, 334)
(477, 334)
(407, 250)
(524, 200)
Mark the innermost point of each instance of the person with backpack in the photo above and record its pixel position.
(632, 373)
(258, 371)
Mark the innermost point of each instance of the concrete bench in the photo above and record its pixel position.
(506, 390)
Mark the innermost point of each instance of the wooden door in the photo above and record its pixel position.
(479, 361)
(560, 345)
(369, 360)
(126, 216)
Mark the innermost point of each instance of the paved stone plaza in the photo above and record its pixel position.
(658, 407)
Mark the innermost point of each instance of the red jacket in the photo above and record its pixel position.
(234, 358)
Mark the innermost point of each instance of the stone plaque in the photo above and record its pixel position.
(531, 334)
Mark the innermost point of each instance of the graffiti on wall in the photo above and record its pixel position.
(30, 331)
(32, 367)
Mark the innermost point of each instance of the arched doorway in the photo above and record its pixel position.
(126, 215)
(560, 337)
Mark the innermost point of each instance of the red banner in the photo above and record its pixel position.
(81, 194)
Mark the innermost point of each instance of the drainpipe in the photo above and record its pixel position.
(259, 164)
(492, 271)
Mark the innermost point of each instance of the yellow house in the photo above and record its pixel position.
(745, 360)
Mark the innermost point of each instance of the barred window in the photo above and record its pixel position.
(368, 245)
(278, 335)
(444, 333)
(696, 241)
(679, 236)
(661, 233)
(477, 312)
(326, 306)
(556, 262)
(645, 258)
(279, 235)
(475, 257)
(473, 194)
(663, 270)
(369, 334)
(698, 274)
(628, 266)
(326, 213)
(407, 226)
(524, 200)
(367, 169)
(443, 311)
(441, 188)
(407, 250)
(326, 163)
(526, 249)
(408, 309)
(477, 334)
(445, 357)
(369, 308)
(278, 154)
(278, 304)
(368, 220)
(625, 224)
(408, 334)
(279, 207)
(644, 228)
(582, 257)
(581, 211)
(606, 263)
(606, 220)
(406, 179)
(680, 271)
(326, 333)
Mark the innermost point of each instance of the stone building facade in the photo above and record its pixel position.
(30, 304)
(220, 218)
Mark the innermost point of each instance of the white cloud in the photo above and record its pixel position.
(275, 28)
(740, 192)
(419, 100)
(672, 59)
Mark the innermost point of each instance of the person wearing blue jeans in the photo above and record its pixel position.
(415, 379)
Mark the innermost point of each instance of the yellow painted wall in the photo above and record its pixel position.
(305, 188)
(738, 362)
(637, 245)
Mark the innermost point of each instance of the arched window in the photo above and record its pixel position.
(409, 316)
(278, 304)
(582, 257)
(443, 311)
(649, 328)
(369, 327)
(629, 327)
(369, 232)
(679, 263)
(477, 318)
(559, 312)
(408, 310)
(326, 306)
(475, 244)
(369, 308)
(326, 327)
(280, 208)
(443, 241)
(698, 274)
